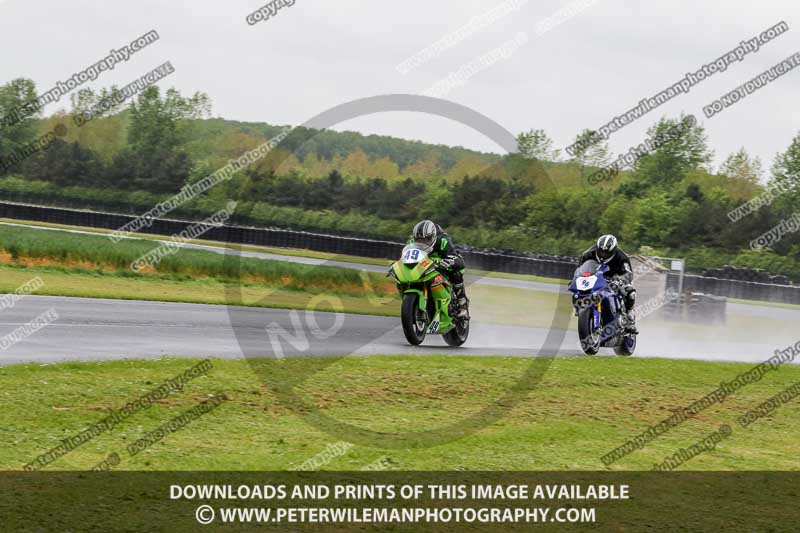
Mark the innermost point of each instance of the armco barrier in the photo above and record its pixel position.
(558, 267)
(496, 261)
(706, 308)
(743, 290)
(235, 234)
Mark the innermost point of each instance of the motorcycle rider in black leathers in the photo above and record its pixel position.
(440, 247)
(619, 273)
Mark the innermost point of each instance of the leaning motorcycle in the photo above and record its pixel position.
(601, 311)
(428, 306)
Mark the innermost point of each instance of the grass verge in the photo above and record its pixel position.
(499, 305)
(38, 247)
(93, 267)
(780, 305)
(289, 252)
(87, 283)
(583, 408)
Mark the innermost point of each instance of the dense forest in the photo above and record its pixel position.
(668, 201)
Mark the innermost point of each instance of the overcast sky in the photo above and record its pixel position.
(319, 53)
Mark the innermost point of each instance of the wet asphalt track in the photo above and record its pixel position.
(95, 329)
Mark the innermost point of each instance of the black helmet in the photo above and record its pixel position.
(425, 233)
(606, 247)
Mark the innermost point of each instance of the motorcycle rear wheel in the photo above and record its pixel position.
(413, 319)
(458, 335)
(627, 347)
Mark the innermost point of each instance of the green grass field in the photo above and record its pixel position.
(90, 251)
(93, 267)
(499, 305)
(288, 252)
(88, 283)
(582, 408)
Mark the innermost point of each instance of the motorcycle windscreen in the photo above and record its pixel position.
(590, 266)
(413, 253)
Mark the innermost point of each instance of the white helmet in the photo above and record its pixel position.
(606, 248)
(425, 233)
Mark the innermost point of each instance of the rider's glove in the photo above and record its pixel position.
(617, 284)
(447, 263)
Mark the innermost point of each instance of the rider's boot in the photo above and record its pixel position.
(461, 301)
(630, 326)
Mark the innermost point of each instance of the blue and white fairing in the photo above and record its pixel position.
(590, 289)
(588, 278)
(592, 293)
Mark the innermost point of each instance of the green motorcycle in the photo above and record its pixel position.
(427, 298)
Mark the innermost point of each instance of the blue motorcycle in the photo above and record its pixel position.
(601, 312)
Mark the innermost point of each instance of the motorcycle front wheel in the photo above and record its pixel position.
(413, 319)
(590, 338)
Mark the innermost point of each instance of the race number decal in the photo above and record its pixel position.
(411, 255)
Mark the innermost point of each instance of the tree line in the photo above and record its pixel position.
(670, 200)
